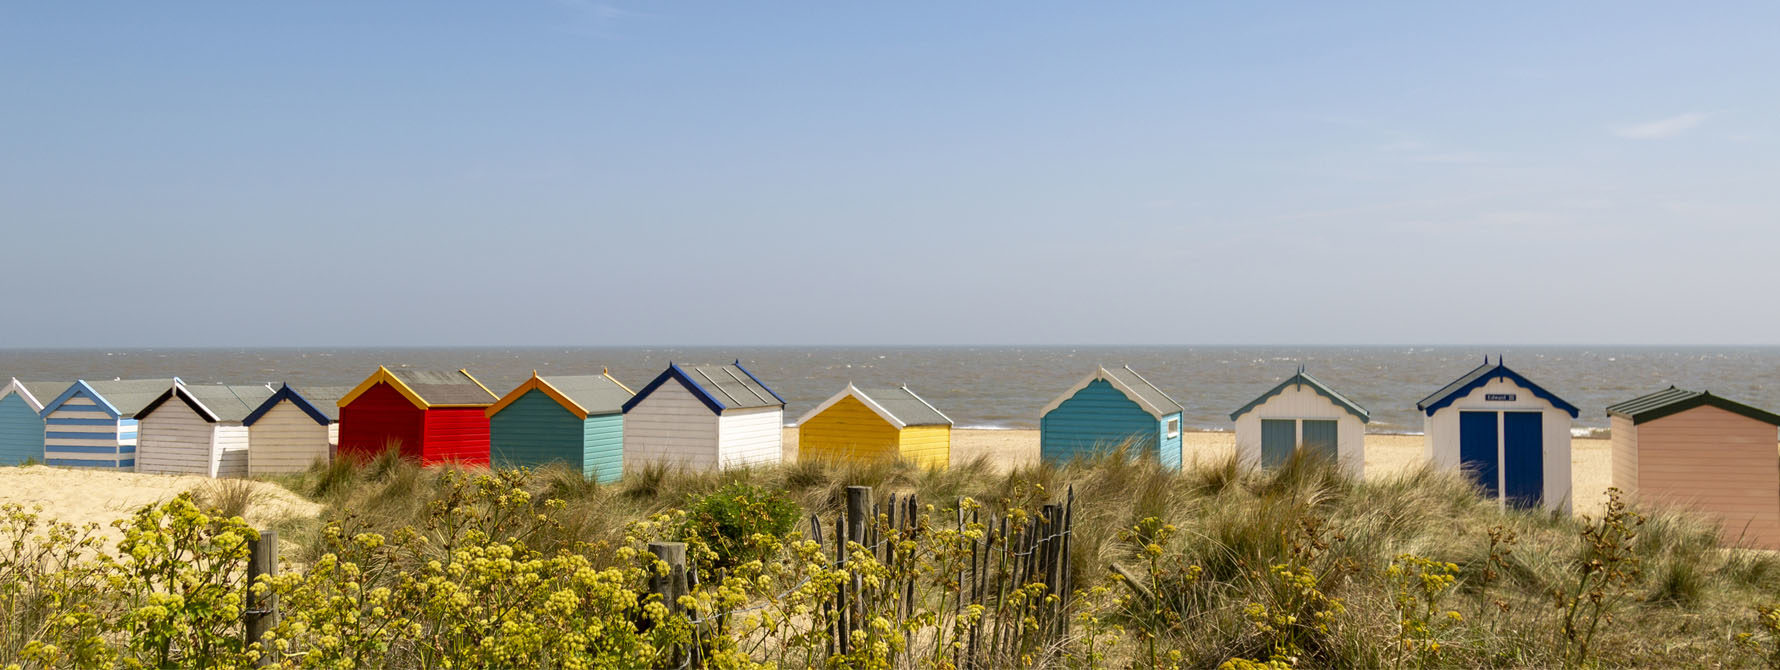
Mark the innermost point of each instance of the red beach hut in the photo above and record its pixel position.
(431, 416)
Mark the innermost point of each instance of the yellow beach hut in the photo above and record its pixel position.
(876, 424)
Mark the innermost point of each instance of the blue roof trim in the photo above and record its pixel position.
(674, 372)
(78, 386)
(285, 392)
(769, 389)
(1482, 376)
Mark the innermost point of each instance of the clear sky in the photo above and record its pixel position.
(515, 173)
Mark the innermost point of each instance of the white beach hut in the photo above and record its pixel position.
(704, 417)
(293, 429)
(197, 429)
(1302, 413)
(1509, 434)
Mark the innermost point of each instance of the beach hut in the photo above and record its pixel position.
(93, 424)
(573, 419)
(21, 420)
(876, 424)
(432, 416)
(1511, 435)
(293, 429)
(1702, 451)
(704, 417)
(1108, 408)
(197, 429)
(1302, 413)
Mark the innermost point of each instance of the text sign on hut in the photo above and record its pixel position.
(1504, 397)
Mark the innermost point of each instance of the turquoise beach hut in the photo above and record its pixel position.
(1109, 408)
(577, 420)
(93, 424)
(21, 420)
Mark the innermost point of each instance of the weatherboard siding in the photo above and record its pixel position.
(1624, 445)
(82, 433)
(1716, 462)
(380, 418)
(455, 435)
(285, 439)
(231, 452)
(535, 431)
(21, 431)
(670, 426)
(1097, 418)
(603, 443)
(927, 446)
(1300, 403)
(175, 440)
(753, 436)
(847, 431)
(1168, 448)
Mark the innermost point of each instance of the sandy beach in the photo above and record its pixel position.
(102, 496)
(1590, 458)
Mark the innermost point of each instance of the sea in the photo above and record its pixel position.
(994, 387)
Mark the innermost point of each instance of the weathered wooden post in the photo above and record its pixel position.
(858, 512)
(672, 585)
(261, 611)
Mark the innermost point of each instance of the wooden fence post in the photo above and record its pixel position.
(672, 585)
(261, 612)
(858, 522)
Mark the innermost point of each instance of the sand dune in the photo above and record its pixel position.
(80, 496)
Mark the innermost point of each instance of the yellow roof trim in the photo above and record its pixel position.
(383, 375)
(608, 374)
(538, 383)
(485, 388)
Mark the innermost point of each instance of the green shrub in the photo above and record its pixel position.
(727, 520)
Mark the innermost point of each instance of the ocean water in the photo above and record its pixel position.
(994, 387)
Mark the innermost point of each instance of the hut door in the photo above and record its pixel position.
(1278, 438)
(1523, 456)
(1319, 438)
(1477, 449)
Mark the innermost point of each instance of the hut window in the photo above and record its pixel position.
(1174, 427)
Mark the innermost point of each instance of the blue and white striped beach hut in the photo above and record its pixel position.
(21, 420)
(1107, 409)
(93, 424)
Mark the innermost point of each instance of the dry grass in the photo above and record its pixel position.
(1234, 522)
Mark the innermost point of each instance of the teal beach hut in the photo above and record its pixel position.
(21, 420)
(577, 420)
(93, 424)
(1109, 408)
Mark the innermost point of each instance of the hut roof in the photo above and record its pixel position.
(214, 402)
(1147, 395)
(1482, 375)
(896, 404)
(720, 387)
(319, 402)
(1304, 379)
(123, 397)
(584, 395)
(35, 394)
(427, 388)
(1675, 401)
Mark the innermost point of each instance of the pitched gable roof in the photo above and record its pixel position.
(1672, 401)
(119, 398)
(1147, 395)
(427, 388)
(1482, 375)
(582, 395)
(214, 402)
(1304, 379)
(897, 405)
(319, 402)
(33, 393)
(719, 387)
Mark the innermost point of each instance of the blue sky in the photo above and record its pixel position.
(516, 173)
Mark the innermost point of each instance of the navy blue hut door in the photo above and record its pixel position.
(1477, 449)
(1279, 437)
(1524, 457)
